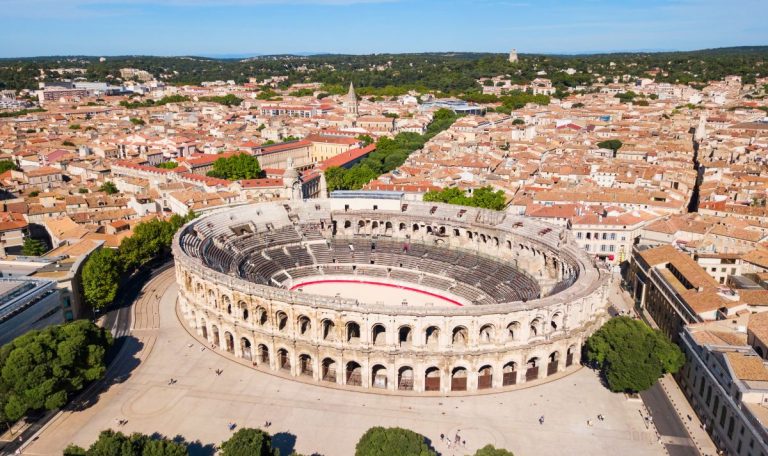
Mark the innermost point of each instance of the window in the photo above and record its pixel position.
(605, 236)
(586, 247)
(613, 236)
(578, 235)
(611, 248)
(602, 248)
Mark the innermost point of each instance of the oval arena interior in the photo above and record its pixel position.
(389, 295)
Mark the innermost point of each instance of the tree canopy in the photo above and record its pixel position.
(102, 270)
(111, 443)
(101, 274)
(42, 369)
(380, 441)
(226, 100)
(167, 165)
(109, 188)
(613, 144)
(631, 355)
(236, 167)
(33, 247)
(389, 154)
(249, 442)
(5, 165)
(484, 197)
(490, 450)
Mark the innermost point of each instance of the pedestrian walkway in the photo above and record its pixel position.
(689, 418)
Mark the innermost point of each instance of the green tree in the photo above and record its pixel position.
(381, 441)
(137, 121)
(42, 369)
(490, 450)
(366, 139)
(109, 188)
(631, 355)
(249, 442)
(236, 167)
(484, 197)
(613, 144)
(167, 165)
(101, 277)
(74, 127)
(111, 443)
(5, 165)
(33, 247)
(226, 100)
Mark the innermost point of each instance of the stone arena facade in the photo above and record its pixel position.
(529, 296)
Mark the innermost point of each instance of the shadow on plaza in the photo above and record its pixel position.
(195, 448)
(124, 362)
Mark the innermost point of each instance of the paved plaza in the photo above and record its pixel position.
(313, 419)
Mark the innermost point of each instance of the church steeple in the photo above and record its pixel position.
(350, 101)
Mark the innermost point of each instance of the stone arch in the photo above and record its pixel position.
(378, 334)
(305, 365)
(401, 227)
(432, 336)
(556, 322)
(328, 329)
(243, 310)
(328, 370)
(460, 336)
(347, 224)
(360, 226)
(229, 341)
(535, 327)
(513, 331)
(459, 377)
(304, 325)
(485, 377)
(203, 329)
(283, 359)
(405, 378)
(261, 315)
(554, 360)
(415, 227)
(388, 228)
(570, 354)
(245, 348)
(263, 354)
(353, 332)
(432, 379)
(212, 301)
(227, 303)
(282, 320)
(487, 334)
(509, 374)
(216, 336)
(405, 336)
(379, 376)
(532, 369)
(353, 374)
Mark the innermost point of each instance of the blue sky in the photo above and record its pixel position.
(215, 27)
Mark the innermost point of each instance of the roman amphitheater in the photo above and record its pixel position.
(372, 292)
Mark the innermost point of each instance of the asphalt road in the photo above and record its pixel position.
(666, 420)
(118, 319)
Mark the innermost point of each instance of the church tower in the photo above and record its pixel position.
(350, 101)
(701, 130)
(513, 56)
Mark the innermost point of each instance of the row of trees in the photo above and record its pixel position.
(236, 167)
(377, 441)
(150, 103)
(484, 197)
(226, 100)
(104, 268)
(42, 369)
(389, 154)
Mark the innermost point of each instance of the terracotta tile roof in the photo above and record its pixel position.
(747, 367)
